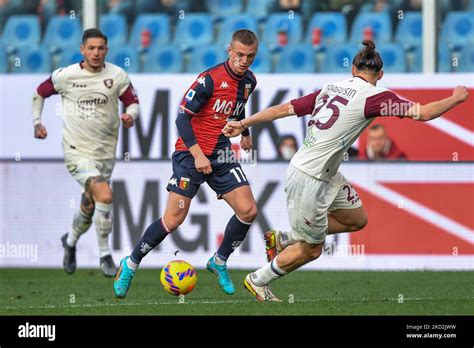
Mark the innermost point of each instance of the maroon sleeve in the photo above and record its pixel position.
(386, 104)
(129, 97)
(46, 88)
(305, 105)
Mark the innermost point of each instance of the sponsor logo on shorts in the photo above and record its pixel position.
(184, 183)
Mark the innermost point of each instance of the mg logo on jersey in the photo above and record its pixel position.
(224, 84)
(226, 107)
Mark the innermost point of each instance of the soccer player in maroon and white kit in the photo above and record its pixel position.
(203, 154)
(90, 91)
(320, 200)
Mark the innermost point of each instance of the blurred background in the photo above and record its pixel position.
(416, 180)
(296, 36)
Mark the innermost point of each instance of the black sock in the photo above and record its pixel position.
(154, 235)
(235, 233)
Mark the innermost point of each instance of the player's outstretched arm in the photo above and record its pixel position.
(234, 128)
(437, 108)
(44, 90)
(37, 109)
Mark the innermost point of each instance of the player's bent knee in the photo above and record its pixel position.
(361, 222)
(104, 196)
(172, 222)
(248, 214)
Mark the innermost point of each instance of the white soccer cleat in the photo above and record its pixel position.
(261, 293)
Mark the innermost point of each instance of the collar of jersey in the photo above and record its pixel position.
(361, 78)
(231, 73)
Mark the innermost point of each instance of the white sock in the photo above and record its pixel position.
(103, 226)
(286, 239)
(132, 264)
(267, 273)
(80, 224)
(219, 261)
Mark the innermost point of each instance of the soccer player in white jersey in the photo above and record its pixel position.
(320, 200)
(90, 91)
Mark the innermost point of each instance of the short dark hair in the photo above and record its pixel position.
(92, 33)
(245, 36)
(368, 58)
(376, 126)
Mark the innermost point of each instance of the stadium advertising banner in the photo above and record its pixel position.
(420, 216)
(450, 137)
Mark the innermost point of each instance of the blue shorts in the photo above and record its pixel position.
(225, 176)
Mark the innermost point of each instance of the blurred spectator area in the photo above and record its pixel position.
(296, 36)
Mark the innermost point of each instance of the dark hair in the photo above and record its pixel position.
(376, 126)
(368, 58)
(287, 137)
(92, 33)
(244, 36)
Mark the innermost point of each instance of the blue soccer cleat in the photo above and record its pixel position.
(123, 279)
(221, 272)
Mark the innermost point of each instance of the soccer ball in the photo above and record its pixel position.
(178, 277)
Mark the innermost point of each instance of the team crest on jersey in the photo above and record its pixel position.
(248, 87)
(108, 83)
(184, 183)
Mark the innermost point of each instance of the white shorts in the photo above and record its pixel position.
(309, 200)
(82, 168)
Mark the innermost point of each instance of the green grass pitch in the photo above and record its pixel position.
(87, 292)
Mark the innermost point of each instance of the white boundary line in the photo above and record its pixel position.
(154, 303)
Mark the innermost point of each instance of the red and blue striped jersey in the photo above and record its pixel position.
(218, 95)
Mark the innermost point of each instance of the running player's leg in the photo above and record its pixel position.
(346, 213)
(82, 219)
(176, 211)
(83, 170)
(347, 220)
(243, 203)
(101, 193)
(81, 223)
(182, 186)
(230, 183)
(308, 200)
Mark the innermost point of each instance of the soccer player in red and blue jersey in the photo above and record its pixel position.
(218, 95)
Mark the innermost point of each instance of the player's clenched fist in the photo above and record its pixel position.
(461, 94)
(40, 132)
(232, 129)
(246, 143)
(127, 120)
(203, 165)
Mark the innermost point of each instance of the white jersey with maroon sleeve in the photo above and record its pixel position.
(90, 106)
(339, 112)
